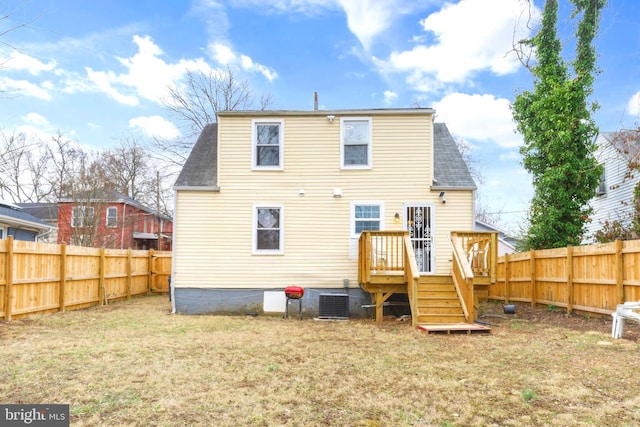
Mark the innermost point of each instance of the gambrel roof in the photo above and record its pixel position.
(200, 170)
(449, 169)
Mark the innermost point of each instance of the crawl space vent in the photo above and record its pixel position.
(333, 306)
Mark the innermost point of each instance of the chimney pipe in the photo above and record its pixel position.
(315, 101)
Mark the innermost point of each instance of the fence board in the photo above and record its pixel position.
(593, 278)
(41, 277)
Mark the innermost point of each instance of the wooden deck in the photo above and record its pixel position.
(454, 328)
(440, 303)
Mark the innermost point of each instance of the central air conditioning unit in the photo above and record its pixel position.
(333, 306)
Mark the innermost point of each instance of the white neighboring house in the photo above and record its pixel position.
(614, 196)
(506, 244)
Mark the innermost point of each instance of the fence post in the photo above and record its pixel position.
(150, 279)
(569, 279)
(507, 283)
(102, 285)
(129, 269)
(619, 272)
(63, 275)
(8, 293)
(532, 268)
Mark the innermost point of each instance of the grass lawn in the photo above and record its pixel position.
(132, 363)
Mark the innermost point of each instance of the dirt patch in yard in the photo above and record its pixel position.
(549, 316)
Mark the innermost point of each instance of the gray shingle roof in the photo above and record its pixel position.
(449, 169)
(21, 218)
(48, 212)
(200, 171)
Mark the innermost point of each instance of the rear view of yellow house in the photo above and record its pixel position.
(269, 199)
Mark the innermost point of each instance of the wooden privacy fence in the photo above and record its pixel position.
(43, 277)
(592, 279)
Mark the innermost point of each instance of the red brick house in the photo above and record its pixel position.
(112, 220)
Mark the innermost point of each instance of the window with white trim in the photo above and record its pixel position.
(112, 216)
(268, 234)
(81, 216)
(267, 145)
(366, 216)
(601, 190)
(355, 143)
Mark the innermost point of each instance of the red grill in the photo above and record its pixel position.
(294, 292)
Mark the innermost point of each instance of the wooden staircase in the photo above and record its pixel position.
(439, 308)
(438, 301)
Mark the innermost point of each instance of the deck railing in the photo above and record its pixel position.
(480, 249)
(475, 255)
(382, 252)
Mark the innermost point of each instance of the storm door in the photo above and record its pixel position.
(420, 224)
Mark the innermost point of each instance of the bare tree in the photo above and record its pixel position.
(196, 103)
(23, 168)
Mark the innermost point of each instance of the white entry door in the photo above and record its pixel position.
(419, 222)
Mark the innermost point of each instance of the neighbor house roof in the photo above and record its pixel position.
(47, 212)
(449, 168)
(626, 142)
(13, 215)
(111, 196)
(200, 170)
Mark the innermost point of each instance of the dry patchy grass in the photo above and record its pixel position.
(132, 363)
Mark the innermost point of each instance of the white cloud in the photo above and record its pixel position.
(16, 61)
(147, 75)
(24, 87)
(225, 55)
(468, 37)
(390, 97)
(222, 53)
(155, 126)
(35, 119)
(479, 118)
(633, 105)
(368, 18)
(103, 83)
(305, 7)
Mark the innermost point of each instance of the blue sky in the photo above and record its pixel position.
(98, 70)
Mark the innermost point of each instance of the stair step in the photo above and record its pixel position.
(438, 318)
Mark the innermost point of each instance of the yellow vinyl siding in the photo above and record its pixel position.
(213, 230)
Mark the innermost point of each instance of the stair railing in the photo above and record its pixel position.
(462, 278)
(412, 276)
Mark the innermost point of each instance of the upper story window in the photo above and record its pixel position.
(355, 143)
(268, 236)
(81, 216)
(267, 145)
(112, 216)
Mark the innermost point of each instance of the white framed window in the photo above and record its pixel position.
(601, 190)
(355, 143)
(366, 216)
(112, 216)
(268, 229)
(81, 216)
(267, 150)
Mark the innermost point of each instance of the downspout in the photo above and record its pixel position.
(124, 216)
(172, 285)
